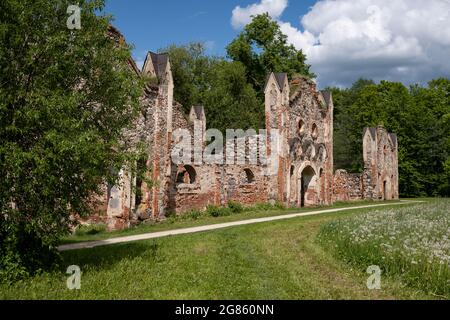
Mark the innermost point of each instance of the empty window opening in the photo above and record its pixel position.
(249, 176)
(186, 175)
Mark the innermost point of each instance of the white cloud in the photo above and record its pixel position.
(398, 40)
(242, 16)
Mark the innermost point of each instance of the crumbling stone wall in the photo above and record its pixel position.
(311, 145)
(380, 177)
(347, 186)
(298, 170)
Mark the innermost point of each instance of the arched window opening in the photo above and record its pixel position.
(301, 127)
(249, 176)
(187, 175)
(315, 131)
(307, 181)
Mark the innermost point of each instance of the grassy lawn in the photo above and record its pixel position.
(187, 221)
(276, 260)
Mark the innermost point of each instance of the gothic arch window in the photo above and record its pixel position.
(187, 175)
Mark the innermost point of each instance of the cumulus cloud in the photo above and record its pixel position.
(401, 40)
(242, 16)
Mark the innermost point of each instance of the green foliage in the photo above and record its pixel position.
(65, 98)
(231, 103)
(232, 91)
(235, 207)
(263, 48)
(191, 70)
(215, 211)
(90, 230)
(218, 85)
(418, 115)
(192, 215)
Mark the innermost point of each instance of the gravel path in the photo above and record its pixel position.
(161, 234)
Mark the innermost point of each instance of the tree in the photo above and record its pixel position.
(231, 102)
(418, 115)
(65, 98)
(191, 72)
(344, 141)
(217, 84)
(263, 48)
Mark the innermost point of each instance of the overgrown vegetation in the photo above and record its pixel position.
(412, 243)
(231, 209)
(65, 97)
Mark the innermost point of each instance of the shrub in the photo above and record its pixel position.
(280, 206)
(235, 207)
(215, 211)
(193, 214)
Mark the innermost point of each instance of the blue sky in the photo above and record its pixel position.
(151, 25)
(344, 40)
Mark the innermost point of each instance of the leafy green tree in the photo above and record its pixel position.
(191, 70)
(231, 102)
(432, 139)
(344, 142)
(418, 115)
(263, 48)
(65, 98)
(219, 85)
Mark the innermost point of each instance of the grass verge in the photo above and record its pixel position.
(276, 260)
(212, 215)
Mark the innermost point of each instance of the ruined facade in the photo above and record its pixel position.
(296, 170)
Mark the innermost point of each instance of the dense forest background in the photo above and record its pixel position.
(231, 90)
(420, 116)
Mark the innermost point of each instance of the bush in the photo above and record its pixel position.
(235, 207)
(24, 251)
(215, 211)
(280, 206)
(193, 215)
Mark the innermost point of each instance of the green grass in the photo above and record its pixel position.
(195, 218)
(276, 260)
(412, 243)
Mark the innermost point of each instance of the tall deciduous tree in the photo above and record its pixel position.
(418, 115)
(219, 85)
(263, 48)
(65, 97)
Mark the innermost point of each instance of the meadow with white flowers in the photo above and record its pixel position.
(411, 244)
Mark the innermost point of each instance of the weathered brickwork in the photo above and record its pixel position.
(347, 186)
(297, 170)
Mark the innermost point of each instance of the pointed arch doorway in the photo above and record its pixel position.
(306, 183)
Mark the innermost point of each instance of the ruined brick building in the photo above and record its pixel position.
(298, 172)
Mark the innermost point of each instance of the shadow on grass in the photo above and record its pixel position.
(105, 258)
